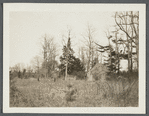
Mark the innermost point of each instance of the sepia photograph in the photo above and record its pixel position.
(74, 58)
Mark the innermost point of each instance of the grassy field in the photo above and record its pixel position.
(74, 93)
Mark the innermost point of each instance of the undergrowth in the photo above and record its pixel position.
(117, 91)
(120, 90)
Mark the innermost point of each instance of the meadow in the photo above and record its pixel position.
(114, 92)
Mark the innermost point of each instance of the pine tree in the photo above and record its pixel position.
(69, 63)
(110, 60)
(67, 56)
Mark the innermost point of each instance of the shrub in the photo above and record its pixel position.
(70, 94)
(69, 86)
(80, 74)
(128, 75)
(121, 89)
(13, 74)
(19, 74)
(112, 76)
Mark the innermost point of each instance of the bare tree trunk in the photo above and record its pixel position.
(89, 57)
(92, 63)
(117, 52)
(138, 45)
(89, 41)
(137, 50)
(126, 21)
(136, 30)
(127, 44)
(131, 68)
(110, 52)
(46, 68)
(128, 57)
(88, 66)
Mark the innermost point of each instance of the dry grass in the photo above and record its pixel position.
(77, 93)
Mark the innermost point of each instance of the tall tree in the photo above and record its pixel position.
(49, 50)
(67, 55)
(90, 46)
(128, 23)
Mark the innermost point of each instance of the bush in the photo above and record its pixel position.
(121, 89)
(128, 75)
(70, 94)
(80, 74)
(13, 74)
(19, 74)
(112, 76)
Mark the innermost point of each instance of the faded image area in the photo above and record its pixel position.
(74, 59)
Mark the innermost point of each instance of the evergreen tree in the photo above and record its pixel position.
(111, 59)
(69, 62)
(67, 56)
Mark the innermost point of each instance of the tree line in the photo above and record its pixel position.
(123, 43)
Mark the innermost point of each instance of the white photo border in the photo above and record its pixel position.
(52, 7)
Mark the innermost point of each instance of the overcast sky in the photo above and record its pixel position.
(26, 29)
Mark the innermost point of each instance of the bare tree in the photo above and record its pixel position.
(109, 36)
(36, 63)
(18, 67)
(128, 22)
(117, 51)
(49, 52)
(52, 52)
(90, 47)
